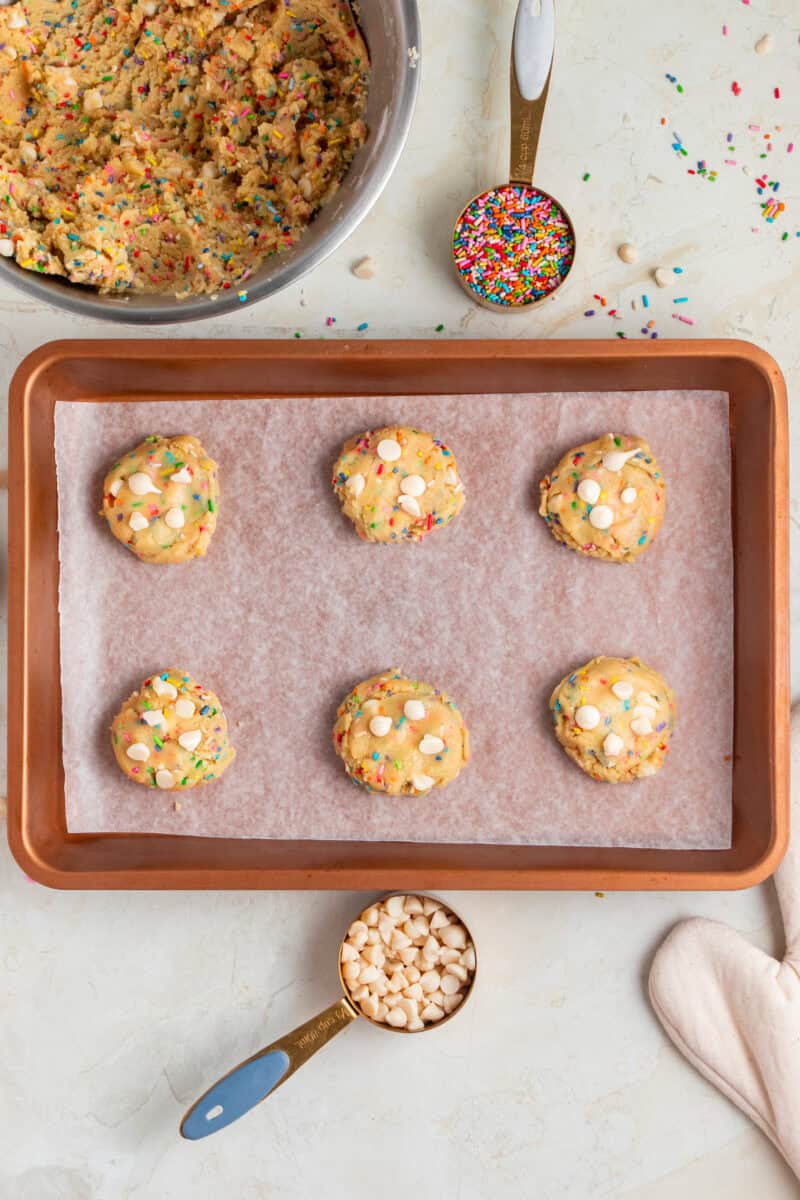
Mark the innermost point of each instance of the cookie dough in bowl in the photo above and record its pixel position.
(605, 499)
(397, 484)
(161, 499)
(171, 148)
(614, 718)
(399, 736)
(172, 733)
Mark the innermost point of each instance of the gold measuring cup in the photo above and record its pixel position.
(258, 1077)
(513, 245)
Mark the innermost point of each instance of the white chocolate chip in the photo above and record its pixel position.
(92, 100)
(191, 739)
(181, 476)
(116, 486)
(17, 18)
(414, 992)
(628, 253)
(412, 905)
(601, 517)
(641, 726)
(162, 687)
(455, 968)
(412, 485)
(351, 971)
(451, 1003)
(368, 974)
(451, 476)
(138, 522)
(400, 940)
(468, 958)
(364, 268)
(764, 44)
(450, 985)
(369, 1007)
(644, 710)
(397, 1018)
(587, 717)
(153, 716)
(613, 745)
(663, 277)
(141, 484)
(395, 906)
(370, 706)
(27, 152)
(629, 495)
(422, 783)
(356, 929)
(429, 982)
(138, 752)
(409, 505)
(380, 726)
(184, 708)
(389, 450)
(415, 711)
(646, 698)
(349, 953)
(622, 690)
(589, 491)
(355, 484)
(174, 518)
(165, 779)
(431, 744)
(454, 936)
(371, 916)
(361, 993)
(438, 919)
(432, 1012)
(449, 955)
(614, 460)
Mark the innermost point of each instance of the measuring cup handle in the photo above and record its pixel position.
(531, 63)
(257, 1077)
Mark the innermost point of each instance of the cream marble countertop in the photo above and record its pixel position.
(558, 1082)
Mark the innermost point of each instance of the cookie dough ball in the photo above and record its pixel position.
(614, 717)
(161, 499)
(397, 484)
(399, 736)
(605, 499)
(172, 733)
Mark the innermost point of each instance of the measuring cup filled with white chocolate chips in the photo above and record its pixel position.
(406, 964)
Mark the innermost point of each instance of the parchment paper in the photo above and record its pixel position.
(289, 609)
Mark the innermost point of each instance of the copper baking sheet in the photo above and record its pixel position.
(86, 373)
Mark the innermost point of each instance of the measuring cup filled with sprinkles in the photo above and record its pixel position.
(407, 965)
(514, 244)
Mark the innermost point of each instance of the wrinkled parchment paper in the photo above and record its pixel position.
(290, 609)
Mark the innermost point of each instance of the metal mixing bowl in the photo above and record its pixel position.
(391, 28)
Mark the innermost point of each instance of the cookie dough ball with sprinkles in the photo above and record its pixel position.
(397, 484)
(161, 499)
(172, 734)
(605, 499)
(512, 246)
(614, 718)
(399, 736)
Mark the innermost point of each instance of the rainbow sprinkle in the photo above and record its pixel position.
(513, 245)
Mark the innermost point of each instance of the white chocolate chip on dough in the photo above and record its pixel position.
(601, 517)
(614, 460)
(191, 739)
(410, 505)
(153, 716)
(356, 484)
(414, 710)
(422, 783)
(138, 522)
(613, 745)
(175, 518)
(138, 752)
(116, 488)
(162, 687)
(379, 726)
(165, 779)
(184, 708)
(587, 717)
(389, 450)
(589, 491)
(182, 476)
(641, 726)
(622, 690)
(629, 495)
(431, 744)
(141, 484)
(412, 485)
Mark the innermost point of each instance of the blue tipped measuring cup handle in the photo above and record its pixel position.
(256, 1078)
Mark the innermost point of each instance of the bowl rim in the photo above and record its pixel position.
(74, 298)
